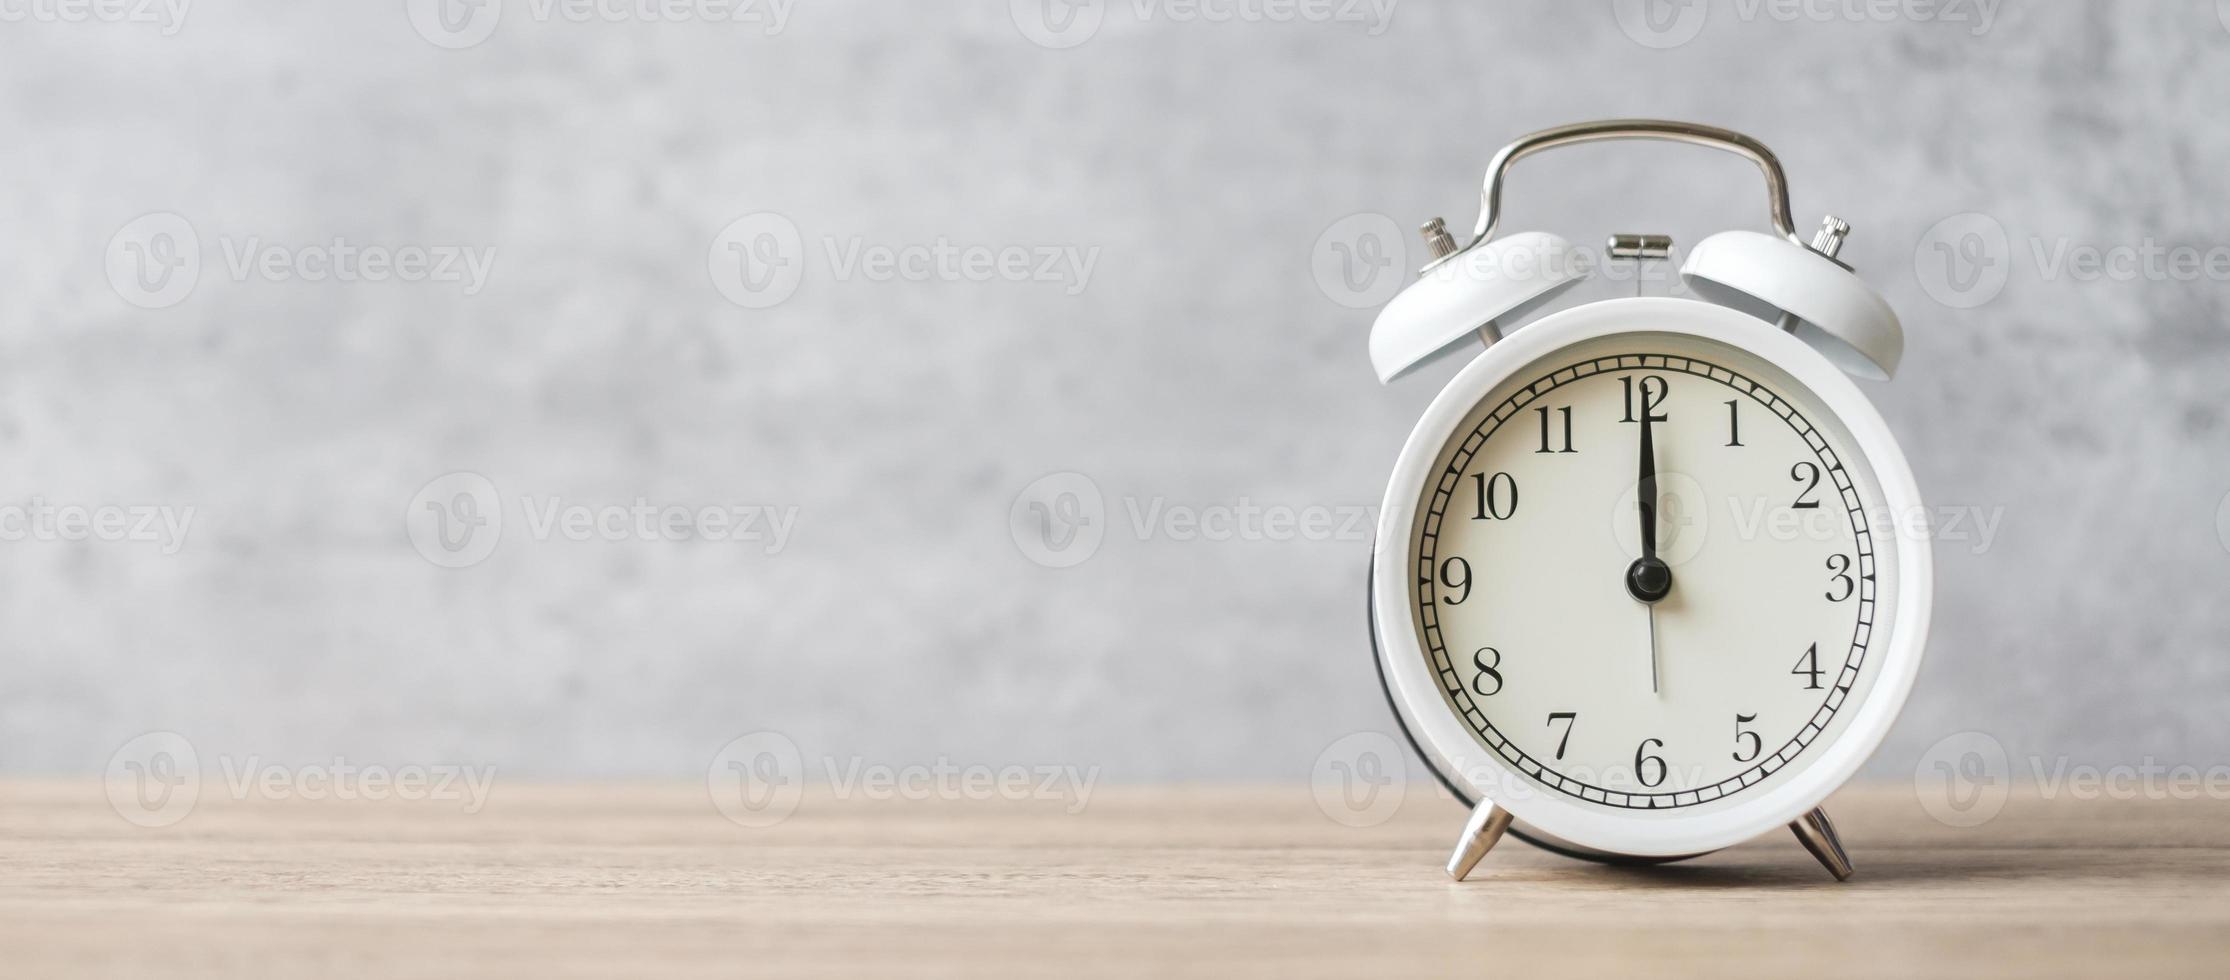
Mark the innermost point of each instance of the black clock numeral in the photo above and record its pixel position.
(1450, 579)
(1734, 422)
(1487, 671)
(1651, 398)
(1545, 441)
(1498, 496)
(1569, 718)
(1808, 667)
(1757, 745)
(1642, 759)
(1839, 567)
(1807, 473)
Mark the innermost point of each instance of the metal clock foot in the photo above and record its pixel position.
(1818, 836)
(1480, 833)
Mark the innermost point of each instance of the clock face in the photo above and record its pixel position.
(1627, 684)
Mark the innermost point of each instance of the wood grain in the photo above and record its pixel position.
(651, 881)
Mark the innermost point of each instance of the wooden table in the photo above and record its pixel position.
(619, 880)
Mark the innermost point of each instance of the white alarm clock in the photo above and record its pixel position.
(1636, 593)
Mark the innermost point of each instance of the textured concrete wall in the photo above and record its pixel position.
(1177, 188)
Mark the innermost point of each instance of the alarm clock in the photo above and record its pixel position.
(1637, 591)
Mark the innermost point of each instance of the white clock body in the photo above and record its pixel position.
(1526, 673)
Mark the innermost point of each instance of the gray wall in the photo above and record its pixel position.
(1200, 364)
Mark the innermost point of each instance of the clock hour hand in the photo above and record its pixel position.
(1648, 579)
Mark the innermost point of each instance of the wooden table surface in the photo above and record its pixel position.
(651, 881)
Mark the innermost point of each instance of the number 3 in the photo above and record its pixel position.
(1839, 567)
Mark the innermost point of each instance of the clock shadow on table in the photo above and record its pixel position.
(1753, 866)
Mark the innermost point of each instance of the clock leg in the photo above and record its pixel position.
(1486, 826)
(1818, 836)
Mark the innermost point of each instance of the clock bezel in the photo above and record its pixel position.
(1449, 746)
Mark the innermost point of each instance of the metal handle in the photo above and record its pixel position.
(1776, 182)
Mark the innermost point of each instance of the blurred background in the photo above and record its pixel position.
(573, 388)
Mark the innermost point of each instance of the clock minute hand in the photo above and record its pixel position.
(1645, 493)
(1648, 579)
